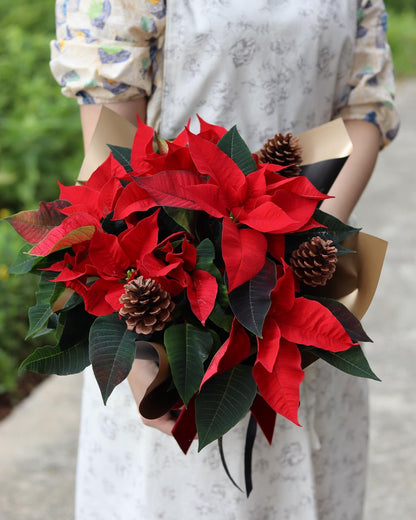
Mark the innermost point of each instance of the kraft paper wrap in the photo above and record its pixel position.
(357, 274)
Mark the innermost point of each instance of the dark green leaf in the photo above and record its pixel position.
(205, 256)
(220, 318)
(122, 155)
(23, 262)
(185, 218)
(224, 464)
(74, 300)
(233, 145)
(52, 360)
(187, 348)
(112, 350)
(224, 400)
(251, 302)
(351, 361)
(76, 324)
(47, 294)
(337, 230)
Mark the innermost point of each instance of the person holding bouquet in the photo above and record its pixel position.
(269, 66)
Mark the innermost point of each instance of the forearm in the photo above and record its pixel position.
(356, 172)
(128, 110)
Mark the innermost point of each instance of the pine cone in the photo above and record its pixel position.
(314, 262)
(283, 150)
(146, 306)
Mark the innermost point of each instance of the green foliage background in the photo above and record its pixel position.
(40, 142)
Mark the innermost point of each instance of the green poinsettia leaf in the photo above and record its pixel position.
(250, 302)
(112, 350)
(38, 315)
(351, 361)
(53, 360)
(205, 256)
(185, 218)
(223, 401)
(74, 326)
(337, 230)
(341, 250)
(74, 300)
(234, 146)
(347, 319)
(23, 263)
(46, 295)
(187, 348)
(220, 318)
(122, 155)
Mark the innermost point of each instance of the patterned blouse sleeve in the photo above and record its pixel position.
(107, 50)
(371, 82)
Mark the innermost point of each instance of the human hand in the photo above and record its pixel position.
(141, 375)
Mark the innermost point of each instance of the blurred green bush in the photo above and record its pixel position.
(401, 5)
(40, 143)
(39, 128)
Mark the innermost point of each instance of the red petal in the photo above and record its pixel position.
(280, 388)
(184, 430)
(265, 416)
(276, 245)
(212, 161)
(283, 295)
(269, 218)
(133, 198)
(34, 226)
(310, 323)
(141, 239)
(202, 290)
(268, 346)
(94, 295)
(142, 145)
(244, 253)
(173, 188)
(210, 132)
(73, 230)
(107, 256)
(235, 349)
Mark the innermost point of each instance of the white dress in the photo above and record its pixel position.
(269, 65)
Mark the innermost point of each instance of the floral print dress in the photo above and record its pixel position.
(267, 66)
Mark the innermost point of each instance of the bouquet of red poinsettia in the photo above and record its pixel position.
(198, 246)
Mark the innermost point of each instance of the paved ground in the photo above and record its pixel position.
(38, 441)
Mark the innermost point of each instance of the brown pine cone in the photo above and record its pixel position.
(314, 262)
(283, 150)
(146, 306)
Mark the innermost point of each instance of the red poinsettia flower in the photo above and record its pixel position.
(255, 212)
(291, 321)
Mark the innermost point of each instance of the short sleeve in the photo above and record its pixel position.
(371, 82)
(108, 50)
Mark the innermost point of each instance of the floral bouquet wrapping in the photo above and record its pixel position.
(213, 261)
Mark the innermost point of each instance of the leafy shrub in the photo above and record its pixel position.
(401, 5)
(40, 136)
(402, 39)
(40, 143)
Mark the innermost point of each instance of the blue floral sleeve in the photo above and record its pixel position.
(108, 51)
(371, 84)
